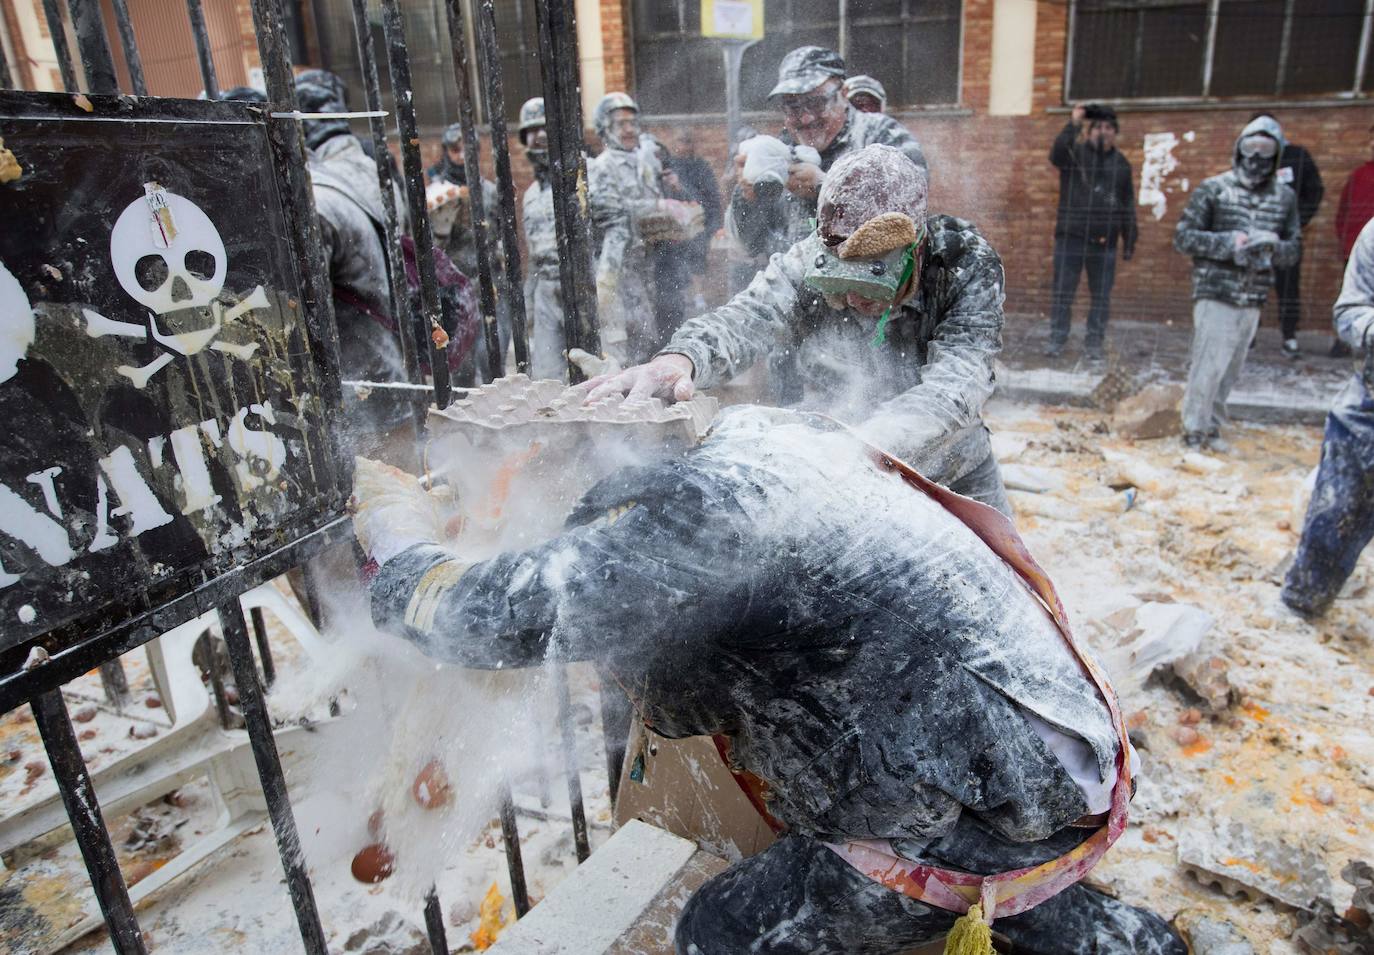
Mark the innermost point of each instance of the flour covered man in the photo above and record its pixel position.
(896, 317)
(869, 647)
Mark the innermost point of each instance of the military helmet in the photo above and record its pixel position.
(531, 116)
(601, 117)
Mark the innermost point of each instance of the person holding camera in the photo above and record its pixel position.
(1096, 211)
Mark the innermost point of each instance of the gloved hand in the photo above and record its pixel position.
(668, 377)
(391, 511)
(1239, 240)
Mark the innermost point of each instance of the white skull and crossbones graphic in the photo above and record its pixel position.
(154, 236)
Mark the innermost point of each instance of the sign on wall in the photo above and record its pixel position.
(161, 405)
(732, 19)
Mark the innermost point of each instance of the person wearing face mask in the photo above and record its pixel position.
(896, 318)
(1238, 226)
(1096, 210)
(543, 292)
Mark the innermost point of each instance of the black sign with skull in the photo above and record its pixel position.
(163, 399)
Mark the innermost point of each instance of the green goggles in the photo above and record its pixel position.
(876, 279)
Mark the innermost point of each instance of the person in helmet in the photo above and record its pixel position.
(543, 291)
(895, 315)
(623, 182)
(455, 235)
(865, 94)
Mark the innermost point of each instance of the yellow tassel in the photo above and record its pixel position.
(970, 935)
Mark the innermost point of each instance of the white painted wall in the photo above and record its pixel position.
(591, 53)
(1012, 70)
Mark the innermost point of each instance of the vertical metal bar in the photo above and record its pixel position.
(114, 682)
(559, 677)
(1213, 15)
(559, 67)
(476, 201)
(393, 28)
(1285, 44)
(214, 665)
(6, 82)
(515, 865)
(396, 274)
(264, 747)
(203, 53)
(298, 207)
(434, 924)
(129, 44)
(1362, 61)
(88, 826)
(512, 288)
(269, 667)
(57, 29)
(1138, 56)
(94, 44)
(842, 31)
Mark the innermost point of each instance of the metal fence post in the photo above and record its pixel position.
(129, 45)
(476, 201)
(57, 29)
(92, 40)
(559, 66)
(204, 56)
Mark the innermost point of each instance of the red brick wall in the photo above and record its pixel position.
(995, 170)
(615, 43)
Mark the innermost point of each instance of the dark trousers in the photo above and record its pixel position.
(1340, 517)
(1072, 256)
(1289, 295)
(799, 898)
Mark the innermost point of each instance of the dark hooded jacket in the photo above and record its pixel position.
(1223, 206)
(865, 653)
(1096, 196)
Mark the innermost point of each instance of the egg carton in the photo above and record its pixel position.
(1242, 863)
(517, 403)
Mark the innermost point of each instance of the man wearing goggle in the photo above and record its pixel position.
(896, 318)
(810, 96)
(1237, 227)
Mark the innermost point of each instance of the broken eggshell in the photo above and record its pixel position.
(373, 863)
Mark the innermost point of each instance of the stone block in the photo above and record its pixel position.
(1151, 413)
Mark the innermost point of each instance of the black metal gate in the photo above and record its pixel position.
(169, 370)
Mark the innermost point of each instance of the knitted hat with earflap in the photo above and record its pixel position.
(871, 222)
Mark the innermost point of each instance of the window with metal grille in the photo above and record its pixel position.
(911, 46)
(1182, 49)
(431, 60)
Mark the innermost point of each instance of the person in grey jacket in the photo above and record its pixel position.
(543, 291)
(861, 650)
(1340, 516)
(1237, 227)
(898, 337)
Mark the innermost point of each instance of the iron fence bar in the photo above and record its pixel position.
(515, 863)
(559, 676)
(57, 29)
(477, 204)
(393, 28)
(214, 666)
(264, 748)
(94, 44)
(269, 667)
(512, 287)
(434, 924)
(6, 82)
(129, 44)
(204, 56)
(115, 683)
(395, 260)
(88, 825)
(298, 207)
(559, 67)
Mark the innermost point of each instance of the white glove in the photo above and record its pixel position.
(667, 376)
(391, 511)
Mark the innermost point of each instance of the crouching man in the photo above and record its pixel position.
(870, 647)
(896, 316)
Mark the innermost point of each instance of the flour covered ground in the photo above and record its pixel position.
(1253, 726)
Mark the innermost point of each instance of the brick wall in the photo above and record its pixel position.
(995, 170)
(615, 42)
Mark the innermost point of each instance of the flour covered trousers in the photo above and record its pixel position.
(882, 672)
